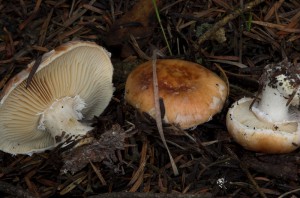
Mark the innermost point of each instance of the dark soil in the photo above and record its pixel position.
(235, 39)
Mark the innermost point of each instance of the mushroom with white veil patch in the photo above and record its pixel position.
(269, 123)
(72, 82)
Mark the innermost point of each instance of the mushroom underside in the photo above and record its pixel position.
(257, 135)
(84, 71)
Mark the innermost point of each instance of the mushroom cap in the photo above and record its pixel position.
(191, 93)
(259, 135)
(76, 68)
(283, 76)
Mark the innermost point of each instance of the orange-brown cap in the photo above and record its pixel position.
(191, 93)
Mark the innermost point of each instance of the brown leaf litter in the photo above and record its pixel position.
(116, 163)
(98, 150)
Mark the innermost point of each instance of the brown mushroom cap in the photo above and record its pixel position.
(77, 74)
(259, 135)
(191, 93)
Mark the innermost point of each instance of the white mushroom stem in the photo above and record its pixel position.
(272, 106)
(61, 118)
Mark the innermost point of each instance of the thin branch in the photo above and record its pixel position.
(226, 20)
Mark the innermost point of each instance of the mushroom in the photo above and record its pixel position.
(269, 124)
(72, 82)
(191, 93)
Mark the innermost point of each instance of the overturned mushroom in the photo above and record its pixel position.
(271, 124)
(72, 82)
(191, 93)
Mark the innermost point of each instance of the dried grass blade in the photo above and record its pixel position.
(277, 26)
(72, 185)
(69, 33)
(98, 173)
(273, 9)
(137, 49)
(77, 15)
(32, 16)
(292, 24)
(158, 112)
(94, 9)
(31, 186)
(240, 65)
(44, 28)
(140, 171)
(10, 46)
(138, 183)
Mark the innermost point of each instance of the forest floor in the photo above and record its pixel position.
(235, 39)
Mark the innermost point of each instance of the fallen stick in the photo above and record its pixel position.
(226, 20)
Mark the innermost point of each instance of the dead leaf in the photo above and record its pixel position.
(97, 151)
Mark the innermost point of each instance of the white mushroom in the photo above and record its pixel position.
(279, 91)
(271, 125)
(72, 82)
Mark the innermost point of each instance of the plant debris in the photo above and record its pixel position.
(97, 150)
(136, 23)
(116, 163)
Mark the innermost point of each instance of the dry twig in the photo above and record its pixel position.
(226, 19)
